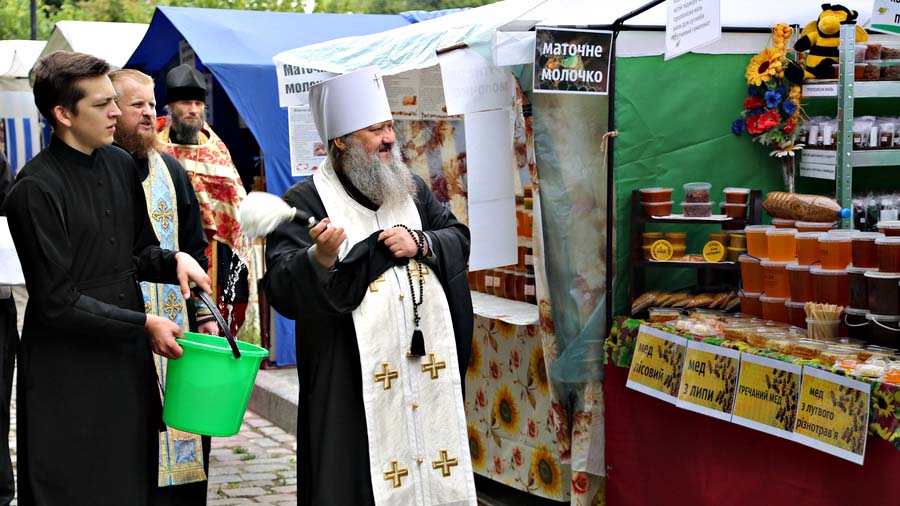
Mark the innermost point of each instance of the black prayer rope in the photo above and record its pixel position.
(417, 346)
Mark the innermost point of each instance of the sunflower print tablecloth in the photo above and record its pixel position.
(884, 413)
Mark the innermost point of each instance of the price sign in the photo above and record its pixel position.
(657, 363)
(661, 250)
(713, 251)
(709, 380)
(767, 395)
(834, 414)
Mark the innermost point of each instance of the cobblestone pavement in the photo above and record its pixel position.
(256, 466)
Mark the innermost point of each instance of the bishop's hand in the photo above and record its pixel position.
(162, 333)
(328, 241)
(400, 241)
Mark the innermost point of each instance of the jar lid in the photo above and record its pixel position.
(736, 190)
(689, 204)
(750, 259)
(834, 238)
(817, 269)
(669, 202)
(888, 240)
(655, 190)
(737, 250)
(757, 229)
(815, 224)
(794, 266)
(809, 235)
(892, 224)
(841, 231)
(773, 263)
(781, 231)
(882, 318)
(867, 236)
(772, 300)
(739, 235)
(882, 275)
(790, 303)
(852, 269)
(750, 295)
(697, 186)
(732, 204)
(856, 312)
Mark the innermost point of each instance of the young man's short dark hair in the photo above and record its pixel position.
(56, 80)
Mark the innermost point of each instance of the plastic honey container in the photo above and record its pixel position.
(856, 280)
(648, 238)
(657, 208)
(775, 279)
(722, 237)
(656, 194)
(835, 251)
(757, 244)
(857, 323)
(783, 223)
(676, 238)
(890, 228)
(863, 252)
(737, 241)
(734, 210)
(830, 286)
(751, 273)
(888, 251)
(814, 226)
(796, 313)
(800, 281)
(883, 292)
(782, 245)
(885, 330)
(750, 304)
(773, 308)
(736, 195)
(807, 247)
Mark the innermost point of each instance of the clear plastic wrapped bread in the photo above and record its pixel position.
(795, 206)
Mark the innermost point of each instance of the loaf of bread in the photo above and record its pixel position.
(795, 206)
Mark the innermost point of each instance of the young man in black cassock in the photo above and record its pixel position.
(9, 340)
(380, 295)
(88, 408)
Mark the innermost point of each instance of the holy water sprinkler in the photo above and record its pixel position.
(262, 212)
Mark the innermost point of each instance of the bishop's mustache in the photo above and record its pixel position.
(385, 148)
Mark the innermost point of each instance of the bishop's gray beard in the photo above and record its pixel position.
(386, 183)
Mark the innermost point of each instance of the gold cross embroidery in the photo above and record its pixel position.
(444, 463)
(172, 306)
(396, 473)
(373, 286)
(433, 367)
(162, 214)
(386, 376)
(414, 270)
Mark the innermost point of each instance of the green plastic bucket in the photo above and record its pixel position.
(207, 389)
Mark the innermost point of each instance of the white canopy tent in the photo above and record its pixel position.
(18, 114)
(114, 42)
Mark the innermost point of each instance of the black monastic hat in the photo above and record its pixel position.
(185, 83)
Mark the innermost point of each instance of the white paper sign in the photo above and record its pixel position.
(307, 150)
(886, 16)
(691, 24)
(471, 83)
(10, 268)
(492, 203)
(294, 83)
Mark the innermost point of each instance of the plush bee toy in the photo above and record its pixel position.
(822, 39)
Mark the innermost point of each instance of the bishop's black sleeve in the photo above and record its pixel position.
(191, 237)
(291, 282)
(35, 222)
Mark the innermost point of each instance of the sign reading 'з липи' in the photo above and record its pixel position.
(657, 363)
(571, 61)
(709, 380)
(834, 414)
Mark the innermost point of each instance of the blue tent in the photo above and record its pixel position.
(237, 48)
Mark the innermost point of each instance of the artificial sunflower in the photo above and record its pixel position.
(476, 448)
(882, 426)
(538, 370)
(544, 473)
(506, 412)
(474, 358)
(884, 403)
(764, 66)
(504, 329)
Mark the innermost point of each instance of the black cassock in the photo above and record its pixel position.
(88, 406)
(332, 446)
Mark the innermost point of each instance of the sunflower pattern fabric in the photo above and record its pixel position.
(884, 413)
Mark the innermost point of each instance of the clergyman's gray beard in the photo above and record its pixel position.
(185, 133)
(386, 183)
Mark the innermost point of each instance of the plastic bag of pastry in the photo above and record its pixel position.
(644, 301)
(701, 300)
(733, 303)
(676, 298)
(801, 207)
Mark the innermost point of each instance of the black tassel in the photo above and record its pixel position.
(417, 347)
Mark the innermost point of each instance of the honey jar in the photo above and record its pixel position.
(888, 251)
(830, 286)
(800, 281)
(807, 247)
(751, 273)
(750, 304)
(863, 252)
(775, 279)
(756, 240)
(773, 309)
(835, 251)
(782, 245)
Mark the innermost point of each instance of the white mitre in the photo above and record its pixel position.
(349, 102)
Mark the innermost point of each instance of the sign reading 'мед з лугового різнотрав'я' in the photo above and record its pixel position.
(571, 61)
(657, 363)
(834, 414)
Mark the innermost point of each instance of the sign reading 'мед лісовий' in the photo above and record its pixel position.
(657, 363)
(571, 61)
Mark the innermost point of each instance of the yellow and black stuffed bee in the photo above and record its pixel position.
(822, 39)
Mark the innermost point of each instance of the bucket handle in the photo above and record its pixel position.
(884, 326)
(219, 319)
(854, 324)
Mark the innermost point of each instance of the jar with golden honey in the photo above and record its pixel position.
(756, 240)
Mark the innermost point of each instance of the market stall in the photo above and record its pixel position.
(19, 118)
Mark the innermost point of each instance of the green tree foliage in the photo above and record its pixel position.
(394, 6)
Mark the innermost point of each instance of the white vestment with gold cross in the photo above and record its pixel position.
(418, 444)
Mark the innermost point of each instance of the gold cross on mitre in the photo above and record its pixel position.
(415, 269)
(172, 306)
(433, 367)
(444, 463)
(386, 375)
(162, 214)
(373, 286)
(396, 473)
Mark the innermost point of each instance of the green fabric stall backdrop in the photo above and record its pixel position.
(674, 122)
